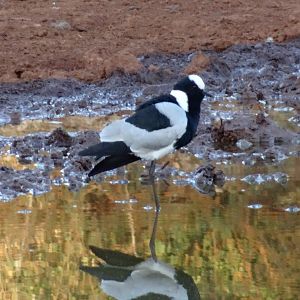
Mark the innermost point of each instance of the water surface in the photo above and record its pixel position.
(243, 243)
(230, 247)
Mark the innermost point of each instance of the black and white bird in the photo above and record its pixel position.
(157, 128)
(127, 277)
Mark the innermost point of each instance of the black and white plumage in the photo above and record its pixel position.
(157, 128)
(123, 277)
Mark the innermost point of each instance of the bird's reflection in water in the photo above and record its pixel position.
(125, 276)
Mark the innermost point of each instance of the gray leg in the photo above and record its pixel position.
(153, 234)
(155, 196)
(152, 170)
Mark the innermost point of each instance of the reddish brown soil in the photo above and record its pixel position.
(89, 39)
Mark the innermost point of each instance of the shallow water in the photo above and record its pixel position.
(69, 123)
(241, 243)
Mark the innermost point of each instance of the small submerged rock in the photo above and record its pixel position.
(206, 178)
(274, 154)
(243, 144)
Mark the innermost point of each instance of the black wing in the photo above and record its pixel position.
(149, 118)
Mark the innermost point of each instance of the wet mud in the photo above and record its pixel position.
(252, 85)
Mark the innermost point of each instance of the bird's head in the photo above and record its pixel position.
(189, 92)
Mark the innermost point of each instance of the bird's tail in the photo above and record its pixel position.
(107, 272)
(116, 154)
(115, 258)
(112, 162)
(105, 149)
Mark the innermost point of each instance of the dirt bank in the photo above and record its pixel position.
(89, 40)
(250, 73)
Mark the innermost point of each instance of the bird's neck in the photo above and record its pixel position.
(194, 110)
(193, 121)
(194, 114)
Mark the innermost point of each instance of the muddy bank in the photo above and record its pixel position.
(249, 83)
(261, 72)
(90, 40)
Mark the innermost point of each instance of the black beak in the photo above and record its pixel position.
(207, 94)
